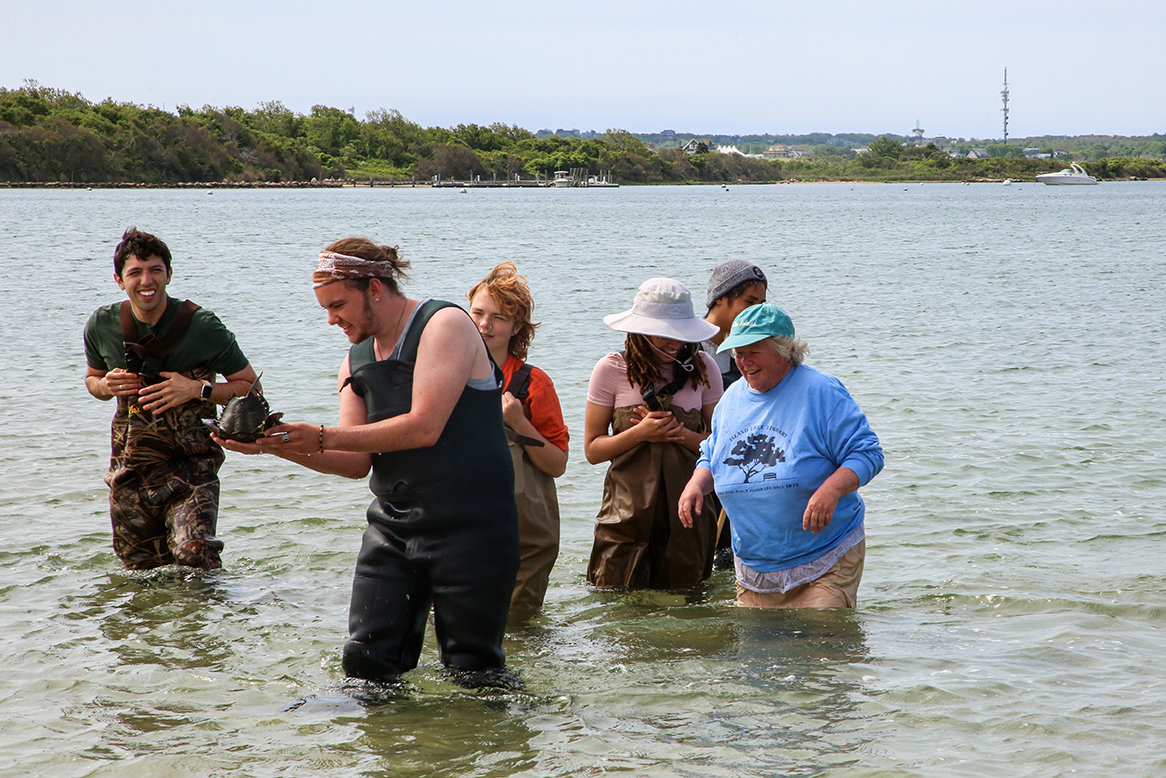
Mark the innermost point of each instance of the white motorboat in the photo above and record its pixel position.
(562, 178)
(1074, 175)
(602, 180)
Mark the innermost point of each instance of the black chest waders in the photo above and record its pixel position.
(443, 529)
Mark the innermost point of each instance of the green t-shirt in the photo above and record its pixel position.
(207, 343)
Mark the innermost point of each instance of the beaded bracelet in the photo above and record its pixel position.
(321, 437)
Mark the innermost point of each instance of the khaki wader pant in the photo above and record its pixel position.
(538, 530)
(639, 540)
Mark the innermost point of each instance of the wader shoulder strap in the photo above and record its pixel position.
(676, 384)
(364, 353)
(651, 395)
(519, 385)
(420, 319)
(361, 354)
(151, 346)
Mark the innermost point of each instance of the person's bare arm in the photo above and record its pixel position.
(303, 446)
(177, 389)
(600, 445)
(450, 352)
(692, 498)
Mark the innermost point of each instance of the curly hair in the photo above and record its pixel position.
(143, 245)
(644, 364)
(510, 293)
(363, 248)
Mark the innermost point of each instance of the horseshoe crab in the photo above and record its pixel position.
(246, 418)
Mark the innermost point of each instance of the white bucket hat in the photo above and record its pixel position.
(663, 307)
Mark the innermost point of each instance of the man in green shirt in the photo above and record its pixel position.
(159, 358)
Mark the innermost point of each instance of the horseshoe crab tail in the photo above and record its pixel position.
(254, 384)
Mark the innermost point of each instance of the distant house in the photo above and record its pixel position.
(976, 154)
(693, 146)
(780, 151)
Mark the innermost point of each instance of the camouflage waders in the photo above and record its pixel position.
(164, 486)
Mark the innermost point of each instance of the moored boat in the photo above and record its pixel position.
(1074, 175)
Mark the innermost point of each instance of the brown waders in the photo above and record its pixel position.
(538, 530)
(639, 540)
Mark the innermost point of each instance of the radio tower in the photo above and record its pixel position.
(1004, 94)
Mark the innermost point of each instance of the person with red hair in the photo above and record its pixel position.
(501, 306)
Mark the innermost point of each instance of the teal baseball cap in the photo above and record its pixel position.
(755, 323)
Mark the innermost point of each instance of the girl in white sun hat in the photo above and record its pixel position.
(649, 408)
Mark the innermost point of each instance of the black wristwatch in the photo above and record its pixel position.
(207, 388)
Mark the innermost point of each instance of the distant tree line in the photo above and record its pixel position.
(1084, 148)
(51, 135)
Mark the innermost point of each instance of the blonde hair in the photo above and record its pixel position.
(511, 294)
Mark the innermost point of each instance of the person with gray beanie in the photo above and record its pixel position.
(734, 286)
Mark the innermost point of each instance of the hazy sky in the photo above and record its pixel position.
(732, 67)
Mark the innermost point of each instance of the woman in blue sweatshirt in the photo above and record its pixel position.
(788, 451)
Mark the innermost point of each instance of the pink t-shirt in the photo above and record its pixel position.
(610, 387)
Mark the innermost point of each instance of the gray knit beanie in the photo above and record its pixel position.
(729, 274)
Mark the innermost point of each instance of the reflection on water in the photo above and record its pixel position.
(630, 682)
(449, 735)
(169, 616)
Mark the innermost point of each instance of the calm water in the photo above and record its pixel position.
(1006, 344)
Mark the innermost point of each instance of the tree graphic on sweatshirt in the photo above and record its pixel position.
(755, 453)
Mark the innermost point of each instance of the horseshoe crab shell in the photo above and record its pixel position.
(246, 418)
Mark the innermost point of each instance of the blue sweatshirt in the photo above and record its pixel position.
(770, 451)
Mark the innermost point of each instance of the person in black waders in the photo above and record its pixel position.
(421, 405)
(159, 357)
